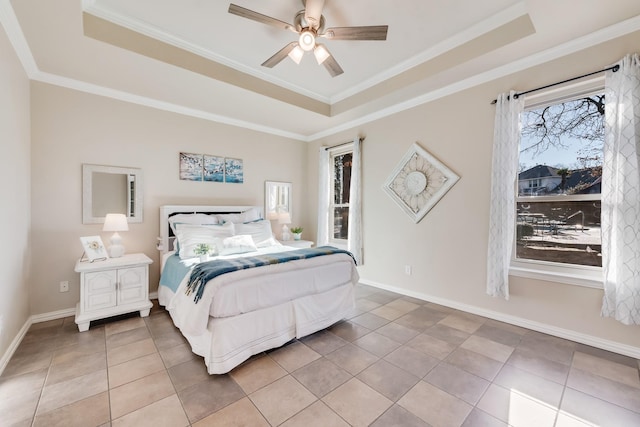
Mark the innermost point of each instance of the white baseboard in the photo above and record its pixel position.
(613, 346)
(39, 318)
(601, 343)
(14, 345)
(36, 318)
(53, 315)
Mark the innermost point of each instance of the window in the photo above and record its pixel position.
(559, 182)
(340, 168)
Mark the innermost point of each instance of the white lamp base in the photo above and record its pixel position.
(285, 233)
(116, 250)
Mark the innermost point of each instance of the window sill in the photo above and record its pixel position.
(590, 277)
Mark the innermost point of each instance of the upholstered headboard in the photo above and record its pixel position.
(166, 237)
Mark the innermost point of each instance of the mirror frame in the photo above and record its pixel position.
(87, 191)
(268, 185)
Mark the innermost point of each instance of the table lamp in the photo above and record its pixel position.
(284, 218)
(115, 222)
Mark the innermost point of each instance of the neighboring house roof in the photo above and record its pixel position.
(579, 181)
(585, 181)
(539, 171)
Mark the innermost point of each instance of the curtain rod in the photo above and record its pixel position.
(340, 145)
(519, 94)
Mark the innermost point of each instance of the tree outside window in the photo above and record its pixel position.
(341, 170)
(559, 183)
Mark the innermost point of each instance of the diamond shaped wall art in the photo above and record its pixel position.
(419, 182)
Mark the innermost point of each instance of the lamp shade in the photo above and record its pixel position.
(296, 54)
(321, 53)
(284, 218)
(115, 222)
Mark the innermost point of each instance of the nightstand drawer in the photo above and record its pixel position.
(98, 301)
(100, 282)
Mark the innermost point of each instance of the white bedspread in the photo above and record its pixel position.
(253, 289)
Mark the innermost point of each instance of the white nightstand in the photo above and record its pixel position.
(111, 287)
(297, 243)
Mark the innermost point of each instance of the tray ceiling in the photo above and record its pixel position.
(193, 57)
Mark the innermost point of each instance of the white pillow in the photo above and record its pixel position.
(246, 216)
(196, 218)
(260, 231)
(190, 236)
(238, 244)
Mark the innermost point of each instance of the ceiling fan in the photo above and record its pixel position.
(309, 25)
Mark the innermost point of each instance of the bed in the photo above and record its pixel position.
(251, 310)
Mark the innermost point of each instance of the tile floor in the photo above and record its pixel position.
(397, 361)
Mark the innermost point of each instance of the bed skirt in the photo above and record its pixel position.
(229, 341)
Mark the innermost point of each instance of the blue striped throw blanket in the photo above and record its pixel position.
(206, 271)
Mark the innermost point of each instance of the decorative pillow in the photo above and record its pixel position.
(190, 236)
(196, 218)
(238, 244)
(246, 216)
(260, 231)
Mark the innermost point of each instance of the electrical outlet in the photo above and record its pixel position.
(64, 286)
(407, 270)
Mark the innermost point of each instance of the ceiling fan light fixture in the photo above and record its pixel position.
(309, 24)
(296, 54)
(307, 40)
(321, 53)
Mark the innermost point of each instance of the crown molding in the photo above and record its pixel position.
(459, 39)
(156, 33)
(608, 33)
(465, 36)
(17, 39)
(91, 88)
(9, 21)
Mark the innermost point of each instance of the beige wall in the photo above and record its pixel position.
(70, 128)
(15, 211)
(448, 248)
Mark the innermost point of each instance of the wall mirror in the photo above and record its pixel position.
(277, 199)
(111, 189)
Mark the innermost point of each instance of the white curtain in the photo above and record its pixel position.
(504, 167)
(323, 197)
(355, 203)
(621, 193)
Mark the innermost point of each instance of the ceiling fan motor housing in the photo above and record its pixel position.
(300, 23)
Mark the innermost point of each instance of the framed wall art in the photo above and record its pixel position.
(233, 171)
(213, 168)
(93, 248)
(191, 166)
(208, 168)
(418, 182)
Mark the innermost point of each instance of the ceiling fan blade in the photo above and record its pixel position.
(255, 16)
(332, 66)
(279, 55)
(372, 32)
(313, 12)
